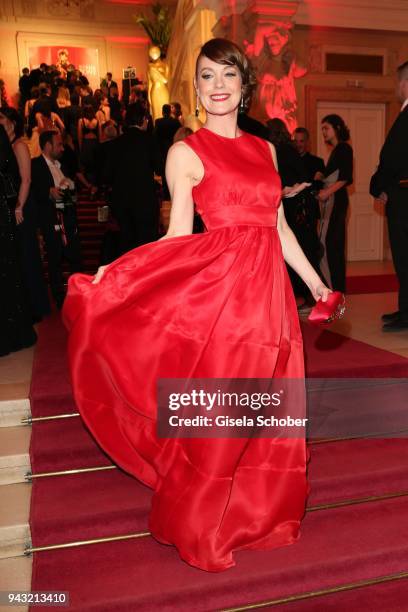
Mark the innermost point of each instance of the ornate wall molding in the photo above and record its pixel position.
(361, 14)
(314, 95)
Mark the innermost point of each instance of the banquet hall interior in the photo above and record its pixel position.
(72, 521)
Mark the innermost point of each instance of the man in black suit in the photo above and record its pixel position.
(38, 75)
(312, 163)
(389, 185)
(129, 168)
(57, 221)
(108, 84)
(164, 130)
(307, 233)
(24, 86)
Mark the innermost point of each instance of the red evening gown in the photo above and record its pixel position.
(211, 305)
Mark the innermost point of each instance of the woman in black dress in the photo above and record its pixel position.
(26, 214)
(16, 330)
(334, 202)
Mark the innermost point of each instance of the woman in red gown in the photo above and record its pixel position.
(211, 305)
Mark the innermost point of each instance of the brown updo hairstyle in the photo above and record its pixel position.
(338, 125)
(223, 51)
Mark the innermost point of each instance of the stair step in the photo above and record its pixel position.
(14, 455)
(15, 376)
(88, 506)
(358, 468)
(13, 411)
(336, 547)
(15, 575)
(75, 449)
(109, 503)
(387, 596)
(14, 513)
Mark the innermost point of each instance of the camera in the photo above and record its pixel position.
(67, 199)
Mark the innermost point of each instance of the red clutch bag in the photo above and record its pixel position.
(326, 312)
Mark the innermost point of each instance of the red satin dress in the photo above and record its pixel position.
(217, 304)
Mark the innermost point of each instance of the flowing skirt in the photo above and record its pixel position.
(212, 305)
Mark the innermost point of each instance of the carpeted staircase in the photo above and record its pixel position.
(353, 551)
(91, 231)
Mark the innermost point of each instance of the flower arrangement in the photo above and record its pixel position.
(158, 29)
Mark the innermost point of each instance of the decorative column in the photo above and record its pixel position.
(192, 27)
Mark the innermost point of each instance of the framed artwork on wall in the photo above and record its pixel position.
(83, 58)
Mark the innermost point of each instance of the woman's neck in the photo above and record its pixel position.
(223, 125)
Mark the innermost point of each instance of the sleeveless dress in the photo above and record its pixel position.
(16, 329)
(212, 305)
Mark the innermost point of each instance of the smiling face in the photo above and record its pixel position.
(218, 86)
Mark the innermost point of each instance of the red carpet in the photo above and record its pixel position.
(91, 230)
(338, 545)
(372, 283)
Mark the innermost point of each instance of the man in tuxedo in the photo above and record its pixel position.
(307, 233)
(38, 75)
(129, 169)
(312, 163)
(24, 86)
(164, 130)
(57, 221)
(108, 83)
(389, 186)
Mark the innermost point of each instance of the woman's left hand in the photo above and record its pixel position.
(321, 292)
(19, 214)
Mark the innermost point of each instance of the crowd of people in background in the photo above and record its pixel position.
(65, 136)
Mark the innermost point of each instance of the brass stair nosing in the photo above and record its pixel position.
(29, 420)
(357, 500)
(29, 476)
(142, 534)
(320, 593)
(376, 435)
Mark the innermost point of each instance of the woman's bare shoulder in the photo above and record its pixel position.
(180, 152)
(20, 146)
(182, 159)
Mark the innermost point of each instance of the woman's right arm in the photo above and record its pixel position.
(181, 174)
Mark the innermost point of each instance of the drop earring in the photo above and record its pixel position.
(241, 106)
(197, 110)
